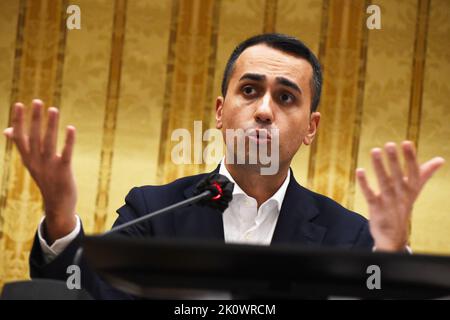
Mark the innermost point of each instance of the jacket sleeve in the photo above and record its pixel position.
(364, 240)
(92, 282)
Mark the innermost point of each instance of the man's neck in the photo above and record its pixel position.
(254, 184)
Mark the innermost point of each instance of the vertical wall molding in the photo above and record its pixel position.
(13, 98)
(190, 77)
(321, 55)
(418, 71)
(38, 72)
(110, 121)
(270, 16)
(343, 54)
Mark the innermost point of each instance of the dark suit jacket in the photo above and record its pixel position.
(306, 218)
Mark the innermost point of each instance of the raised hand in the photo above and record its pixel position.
(51, 171)
(390, 209)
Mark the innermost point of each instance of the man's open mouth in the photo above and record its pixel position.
(259, 134)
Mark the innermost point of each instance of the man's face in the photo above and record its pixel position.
(270, 89)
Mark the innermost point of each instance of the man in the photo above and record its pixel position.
(271, 82)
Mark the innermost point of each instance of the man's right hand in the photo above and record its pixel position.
(51, 171)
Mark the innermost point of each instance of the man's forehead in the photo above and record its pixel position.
(272, 62)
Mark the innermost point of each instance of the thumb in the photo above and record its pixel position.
(8, 132)
(429, 168)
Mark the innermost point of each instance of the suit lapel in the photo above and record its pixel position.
(295, 222)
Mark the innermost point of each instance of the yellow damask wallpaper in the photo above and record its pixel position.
(138, 69)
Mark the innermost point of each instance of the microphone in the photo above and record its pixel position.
(214, 191)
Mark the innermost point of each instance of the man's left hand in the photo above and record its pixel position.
(390, 209)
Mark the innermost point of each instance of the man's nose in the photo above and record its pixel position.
(264, 110)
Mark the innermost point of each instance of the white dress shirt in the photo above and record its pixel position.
(243, 221)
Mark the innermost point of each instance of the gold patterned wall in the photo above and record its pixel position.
(139, 69)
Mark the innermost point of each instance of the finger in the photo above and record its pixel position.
(394, 166)
(18, 129)
(363, 183)
(51, 133)
(384, 181)
(8, 132)
(412, 166)
(35, 127)
(429, 168)
(66, 155)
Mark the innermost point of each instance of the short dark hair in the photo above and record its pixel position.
(283, 43)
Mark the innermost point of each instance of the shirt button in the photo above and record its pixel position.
(248, 236)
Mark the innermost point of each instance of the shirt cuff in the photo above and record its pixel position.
(407, 250)
(51, 252)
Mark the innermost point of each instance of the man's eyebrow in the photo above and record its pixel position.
(288, 83)
(281, 80)
(253, 76)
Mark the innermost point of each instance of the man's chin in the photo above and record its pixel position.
(264, 166)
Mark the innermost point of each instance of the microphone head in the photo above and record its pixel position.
(221, 191)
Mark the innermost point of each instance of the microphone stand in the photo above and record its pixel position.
(201, 196)
(220, 183)
(204, 195)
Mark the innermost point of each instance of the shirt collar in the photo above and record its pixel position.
(278, 196)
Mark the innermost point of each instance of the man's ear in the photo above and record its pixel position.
(219, 109)
(314, 120)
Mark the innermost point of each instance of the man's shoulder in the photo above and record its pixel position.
(174, 186)
(331, 211)
(344, 227)
(164, 194)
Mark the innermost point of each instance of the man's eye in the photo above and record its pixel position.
(287, 98)
(248, 90)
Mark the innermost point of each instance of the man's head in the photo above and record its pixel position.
(286, 44)
(272, 81)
